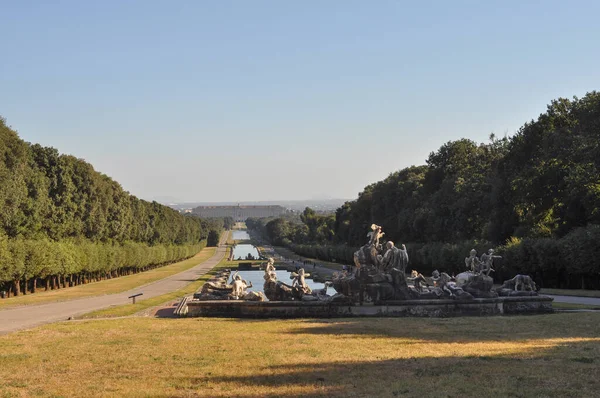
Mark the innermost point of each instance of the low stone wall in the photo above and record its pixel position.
(418, 308)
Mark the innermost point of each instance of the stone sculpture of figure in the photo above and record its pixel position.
(418, 278)
(472, 262)
(270, 276)
(299, 281)
(393, 258)
(445, 286)
(270, 267)
(239, 286)
(369, 253)
(270, 286)
(487, 261)
(375, 235)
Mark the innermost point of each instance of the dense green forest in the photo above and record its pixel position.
(63, 223)
(535, 196)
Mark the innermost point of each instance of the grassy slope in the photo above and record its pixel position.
(524, 356)
(109, 286)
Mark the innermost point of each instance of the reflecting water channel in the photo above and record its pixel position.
(243, 249)
(240, 235)
(257, 279)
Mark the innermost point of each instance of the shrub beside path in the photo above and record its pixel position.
(24, 317)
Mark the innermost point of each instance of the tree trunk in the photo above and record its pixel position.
(47, 283)
(25, 283)
(34, 286)
(16, 287)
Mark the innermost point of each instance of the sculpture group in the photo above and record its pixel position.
(218, 288)
(379, 275)
(276, 290)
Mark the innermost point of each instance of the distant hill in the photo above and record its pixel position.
(294, 205)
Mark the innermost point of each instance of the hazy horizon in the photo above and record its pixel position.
(266, 100)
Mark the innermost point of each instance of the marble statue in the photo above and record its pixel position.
(270, 265)
(520, 285)
(472, 262)
(239, 286)
(217, 288)
(418, 279)
(476, 280)
(299, 281)
(380, 272)
(487, 262)
(367, 256)
(446, 287)
(393, 258)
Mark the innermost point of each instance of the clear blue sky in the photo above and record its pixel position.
(258, 100)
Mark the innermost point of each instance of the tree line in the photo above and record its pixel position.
(534, 196)
(62, 220)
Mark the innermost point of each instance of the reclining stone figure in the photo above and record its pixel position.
(239, 286)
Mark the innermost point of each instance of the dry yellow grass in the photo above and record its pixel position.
(526, 356)
(109, 286)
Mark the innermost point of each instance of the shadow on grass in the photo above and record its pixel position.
(459, 330)
(167, 312)
(565, 369)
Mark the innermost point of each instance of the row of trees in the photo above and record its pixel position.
(59, 217)
(48, 195)
(26, 264)
(541, 183)
(534, 193)
(308, 227)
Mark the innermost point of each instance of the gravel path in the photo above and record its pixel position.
(576, 300)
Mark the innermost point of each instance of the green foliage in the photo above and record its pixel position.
(58, 216)
(28, 259)
(539, 191)
(228, 223)
(213, 238)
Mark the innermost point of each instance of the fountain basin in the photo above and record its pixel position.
(416, 308)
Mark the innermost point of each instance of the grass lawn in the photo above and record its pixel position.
(109, 286)
(521, 356)
(572, 306)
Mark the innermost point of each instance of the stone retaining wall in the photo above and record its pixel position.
(419, 308)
